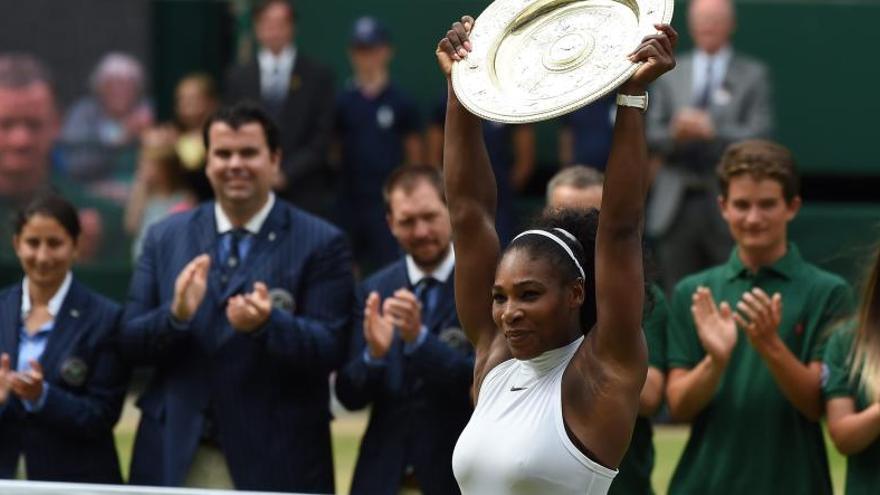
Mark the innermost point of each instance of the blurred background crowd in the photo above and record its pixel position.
(106, 101)
(353, 87)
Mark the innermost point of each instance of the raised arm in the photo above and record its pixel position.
(619, 265)
(471, 195)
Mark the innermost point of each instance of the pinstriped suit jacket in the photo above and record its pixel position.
(71, 437)
(421, 402)
(268, 391)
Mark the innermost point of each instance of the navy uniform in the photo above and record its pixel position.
(591, 128)
(498, 137)
(372, 132)
(419, 391)
(66, 434)
(261, 399)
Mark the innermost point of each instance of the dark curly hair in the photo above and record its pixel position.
(582, 224)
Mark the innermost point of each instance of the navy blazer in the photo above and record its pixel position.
(421, 401)
(269, 390)
(71, 437)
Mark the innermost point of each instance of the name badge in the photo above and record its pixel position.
(282, 299)
(74, 371)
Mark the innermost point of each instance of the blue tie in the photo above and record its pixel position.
(426, 291)
(704, 99)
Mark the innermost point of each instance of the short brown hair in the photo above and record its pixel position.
(407, 177)
(760, 159)
(576, 176)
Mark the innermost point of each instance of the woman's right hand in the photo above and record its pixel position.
(716, 326)
(455, 45)
(5, 377)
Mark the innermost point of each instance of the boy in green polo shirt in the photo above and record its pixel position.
(746, 341)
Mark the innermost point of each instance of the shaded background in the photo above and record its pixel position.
(821, 55)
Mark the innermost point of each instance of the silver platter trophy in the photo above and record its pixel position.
(538, 59)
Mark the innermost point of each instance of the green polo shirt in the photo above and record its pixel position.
(863, 468)
(634, 476)
(750, 439)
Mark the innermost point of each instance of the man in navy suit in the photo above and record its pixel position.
(409, 357)
(241, 305)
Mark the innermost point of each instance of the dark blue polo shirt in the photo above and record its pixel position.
(592, 127)
(372, 133)
(499, 145)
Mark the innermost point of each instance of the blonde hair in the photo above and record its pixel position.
(866, 347)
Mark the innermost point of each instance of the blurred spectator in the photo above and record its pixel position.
(714, 97)
(409, 358)
(511, 150)
(101, 131)
(585, 134)
(378, 127)
(298, 92)
(28, 128)
(577, 186)
(159, 188)
(195, 99)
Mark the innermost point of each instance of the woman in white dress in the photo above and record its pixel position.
(555, 318)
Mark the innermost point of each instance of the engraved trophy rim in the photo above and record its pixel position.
(504, 23)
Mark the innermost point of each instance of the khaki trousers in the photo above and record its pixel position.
(209, 470)
(20, 469)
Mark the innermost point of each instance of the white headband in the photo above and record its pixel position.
(559, 241)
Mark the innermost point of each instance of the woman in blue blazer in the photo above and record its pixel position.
(61, 382)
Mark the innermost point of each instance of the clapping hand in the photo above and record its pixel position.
(378, 329)
(716, 326)
(405, 312)
(190, 287)
(248, 312)
(763, 314)
(29, 384)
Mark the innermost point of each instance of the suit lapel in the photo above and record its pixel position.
(11, 324)
(252, 82)
(295, 90)
(204, 228)
(68, 323)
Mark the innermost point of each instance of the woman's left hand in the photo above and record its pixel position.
(29, 384)
(656, 54)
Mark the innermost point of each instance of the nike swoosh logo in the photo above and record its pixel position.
(517, 389)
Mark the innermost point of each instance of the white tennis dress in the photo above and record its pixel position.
(515, 442)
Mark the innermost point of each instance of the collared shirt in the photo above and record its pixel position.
(748, 407)
(275, 70)
(720, 61)
(253, 225)
(441, 273)
(31, 347)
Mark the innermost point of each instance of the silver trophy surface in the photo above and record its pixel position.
(538, 59)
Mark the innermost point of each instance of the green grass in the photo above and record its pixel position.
(669, 442)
